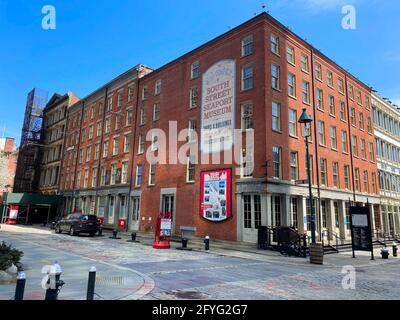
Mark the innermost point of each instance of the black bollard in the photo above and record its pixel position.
(207, 243)
(20, 287)
(91, 284)
(133, 236)
(114, 234)
(184, 243)
(100, 232)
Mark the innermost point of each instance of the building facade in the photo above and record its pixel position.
(256, 78)
(53, 132)
(8, 164)
(386, 118)
(97, 159)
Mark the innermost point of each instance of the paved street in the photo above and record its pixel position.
(136, 271)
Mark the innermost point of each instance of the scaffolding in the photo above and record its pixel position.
(30, 151)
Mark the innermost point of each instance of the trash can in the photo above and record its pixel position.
(385, 253)
(316, 253)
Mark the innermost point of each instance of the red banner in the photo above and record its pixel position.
(215, 195)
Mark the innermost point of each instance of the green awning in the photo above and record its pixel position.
(32, 198)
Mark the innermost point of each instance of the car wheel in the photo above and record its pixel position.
(72, 231)
(58, 229)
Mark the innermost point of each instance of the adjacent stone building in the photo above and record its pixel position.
(8, 164)
(53, 133)
(386, 119)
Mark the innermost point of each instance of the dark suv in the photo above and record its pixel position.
(77, 223)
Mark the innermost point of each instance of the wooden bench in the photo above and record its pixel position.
(187, 232)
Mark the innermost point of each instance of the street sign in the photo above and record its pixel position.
(361, 234)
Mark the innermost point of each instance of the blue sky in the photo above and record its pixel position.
(97, 40)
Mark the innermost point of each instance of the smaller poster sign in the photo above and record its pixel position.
(360, 229)
(165, 227)
(215, 195)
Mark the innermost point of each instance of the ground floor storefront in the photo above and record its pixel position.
(255, 202)
(390, 216)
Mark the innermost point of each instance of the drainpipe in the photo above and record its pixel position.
(133, 144)
(77, 153)
(316, 147)
(350, 141)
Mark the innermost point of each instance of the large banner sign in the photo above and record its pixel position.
(218, 107)
(215, 195)
(361, 229)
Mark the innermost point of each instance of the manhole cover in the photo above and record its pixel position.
(191, 295)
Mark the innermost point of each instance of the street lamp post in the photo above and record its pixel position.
(306, 120)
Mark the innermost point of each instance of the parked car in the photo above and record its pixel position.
(77, 223)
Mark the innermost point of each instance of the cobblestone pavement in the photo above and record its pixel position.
(136, 271)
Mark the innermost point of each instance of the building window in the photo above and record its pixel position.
(321, 133)
(293, 122)
(91, 132)
(306, 92)
(88, 153)
(113, 173)
(152, 174)
(366, 182)
(157, 87)
(94, 177)
(102, 176)
(247, 164)
(108, 125)
(358, 97)
(355, 146)
(105, 150)
(275, 73)
(194, 70)
(194, 97)
(96, 151)
(342, 111)
(357, 179)
(276, 116)
(369, 125)
(247, 116)
(353, 116)
(190, 169)
(86, 178)
(109, 104)
(98, 128)
(346, 171)
(318, 71)
(119, 100)
(127, 139)
(277, 159)
(142, 116)
(154, 140)
(144, 93)
(293, 210)
(351, 92)
(333, 138)
(276, 206)
(361, 120)
(345, 147)
(130, 94)
(304, 63)
(293, 166)
(247, 211)
(275, 44)
(341, 85)
(374, 188)
(81, 155)
(115, 145)
(117, 122)
(128, 120)
(332, 109)
(329, 78)
(371, 152)
(320, 99)
(124, 172)
(292, 85)
(324, 176)
(139, 173)
(335, 170)
(290, 55)
(247, 46)
(192, 130)
(156, 111)
(363, 149)
(141, 143)
(247, 78)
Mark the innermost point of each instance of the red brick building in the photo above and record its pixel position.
(271, 75)
(8, 164)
